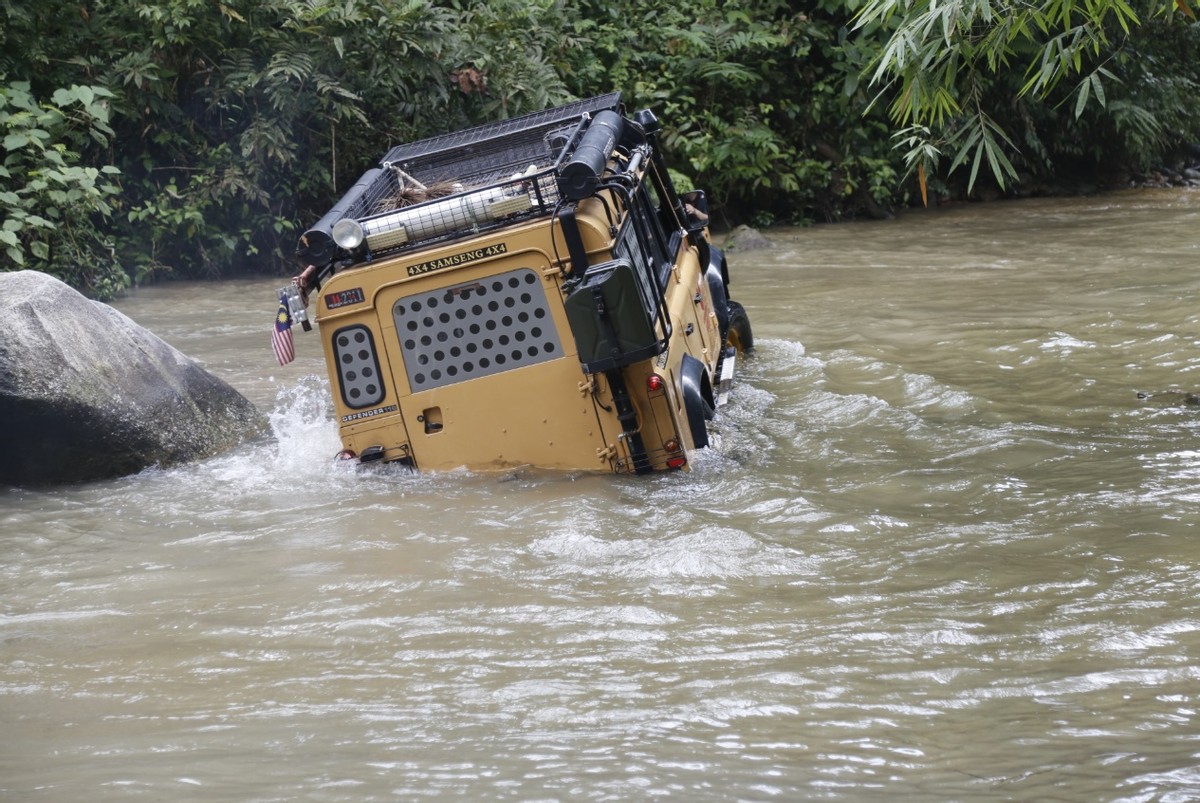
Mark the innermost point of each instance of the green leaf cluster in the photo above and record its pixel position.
(147, 138)
(1040, 89)
(763, 100)
(54, 206)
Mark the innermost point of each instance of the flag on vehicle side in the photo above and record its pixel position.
(281, 334)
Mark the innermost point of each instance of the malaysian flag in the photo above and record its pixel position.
(281, 334)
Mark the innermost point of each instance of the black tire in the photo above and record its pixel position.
(740, 335)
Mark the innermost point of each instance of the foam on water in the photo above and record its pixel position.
(939, 550)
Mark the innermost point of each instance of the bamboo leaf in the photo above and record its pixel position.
(1081, 100)
(1098, 89)
(979, 157)
(1126, 15)
(971, 137)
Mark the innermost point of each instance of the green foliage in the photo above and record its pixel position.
(1070, 80)
(238, 118)
(507, 54)
(234, 124)
(55, 207)
(761, 99)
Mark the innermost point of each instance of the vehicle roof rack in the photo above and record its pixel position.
(451, 148)
(502, 171)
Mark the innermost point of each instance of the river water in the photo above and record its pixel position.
(941, 550)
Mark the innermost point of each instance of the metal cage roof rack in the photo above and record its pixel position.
(444, 147)
(454, 184)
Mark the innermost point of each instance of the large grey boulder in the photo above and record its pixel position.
(745, 238)
(87, 394)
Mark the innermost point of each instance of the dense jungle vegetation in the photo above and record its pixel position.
(195, 138)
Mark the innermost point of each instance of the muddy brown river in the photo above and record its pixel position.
(941, 550)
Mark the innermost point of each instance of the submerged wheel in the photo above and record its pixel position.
(740, 335)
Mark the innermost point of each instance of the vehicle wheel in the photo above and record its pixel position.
(740, 335)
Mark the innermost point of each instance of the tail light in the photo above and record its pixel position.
(675, 456)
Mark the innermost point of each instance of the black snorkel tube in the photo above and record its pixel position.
(316, 246)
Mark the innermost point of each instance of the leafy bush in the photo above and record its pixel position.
(1049, 89)
(761, 98)
(234, 124)
(56, 207)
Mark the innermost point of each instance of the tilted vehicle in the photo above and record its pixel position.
(531, 292)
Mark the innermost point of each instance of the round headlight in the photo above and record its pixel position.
(348, 233)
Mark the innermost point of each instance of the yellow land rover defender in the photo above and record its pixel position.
(531, 292)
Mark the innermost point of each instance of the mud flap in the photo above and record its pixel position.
(698, 400)
(720, 299)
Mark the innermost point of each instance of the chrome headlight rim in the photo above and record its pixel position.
(348, 233)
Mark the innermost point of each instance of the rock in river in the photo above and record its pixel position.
(745, 238)
(87, 394)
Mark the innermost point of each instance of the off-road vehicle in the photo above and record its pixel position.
(531, 292)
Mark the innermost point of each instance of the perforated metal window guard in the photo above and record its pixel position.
(358, 366)
(475, 329)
